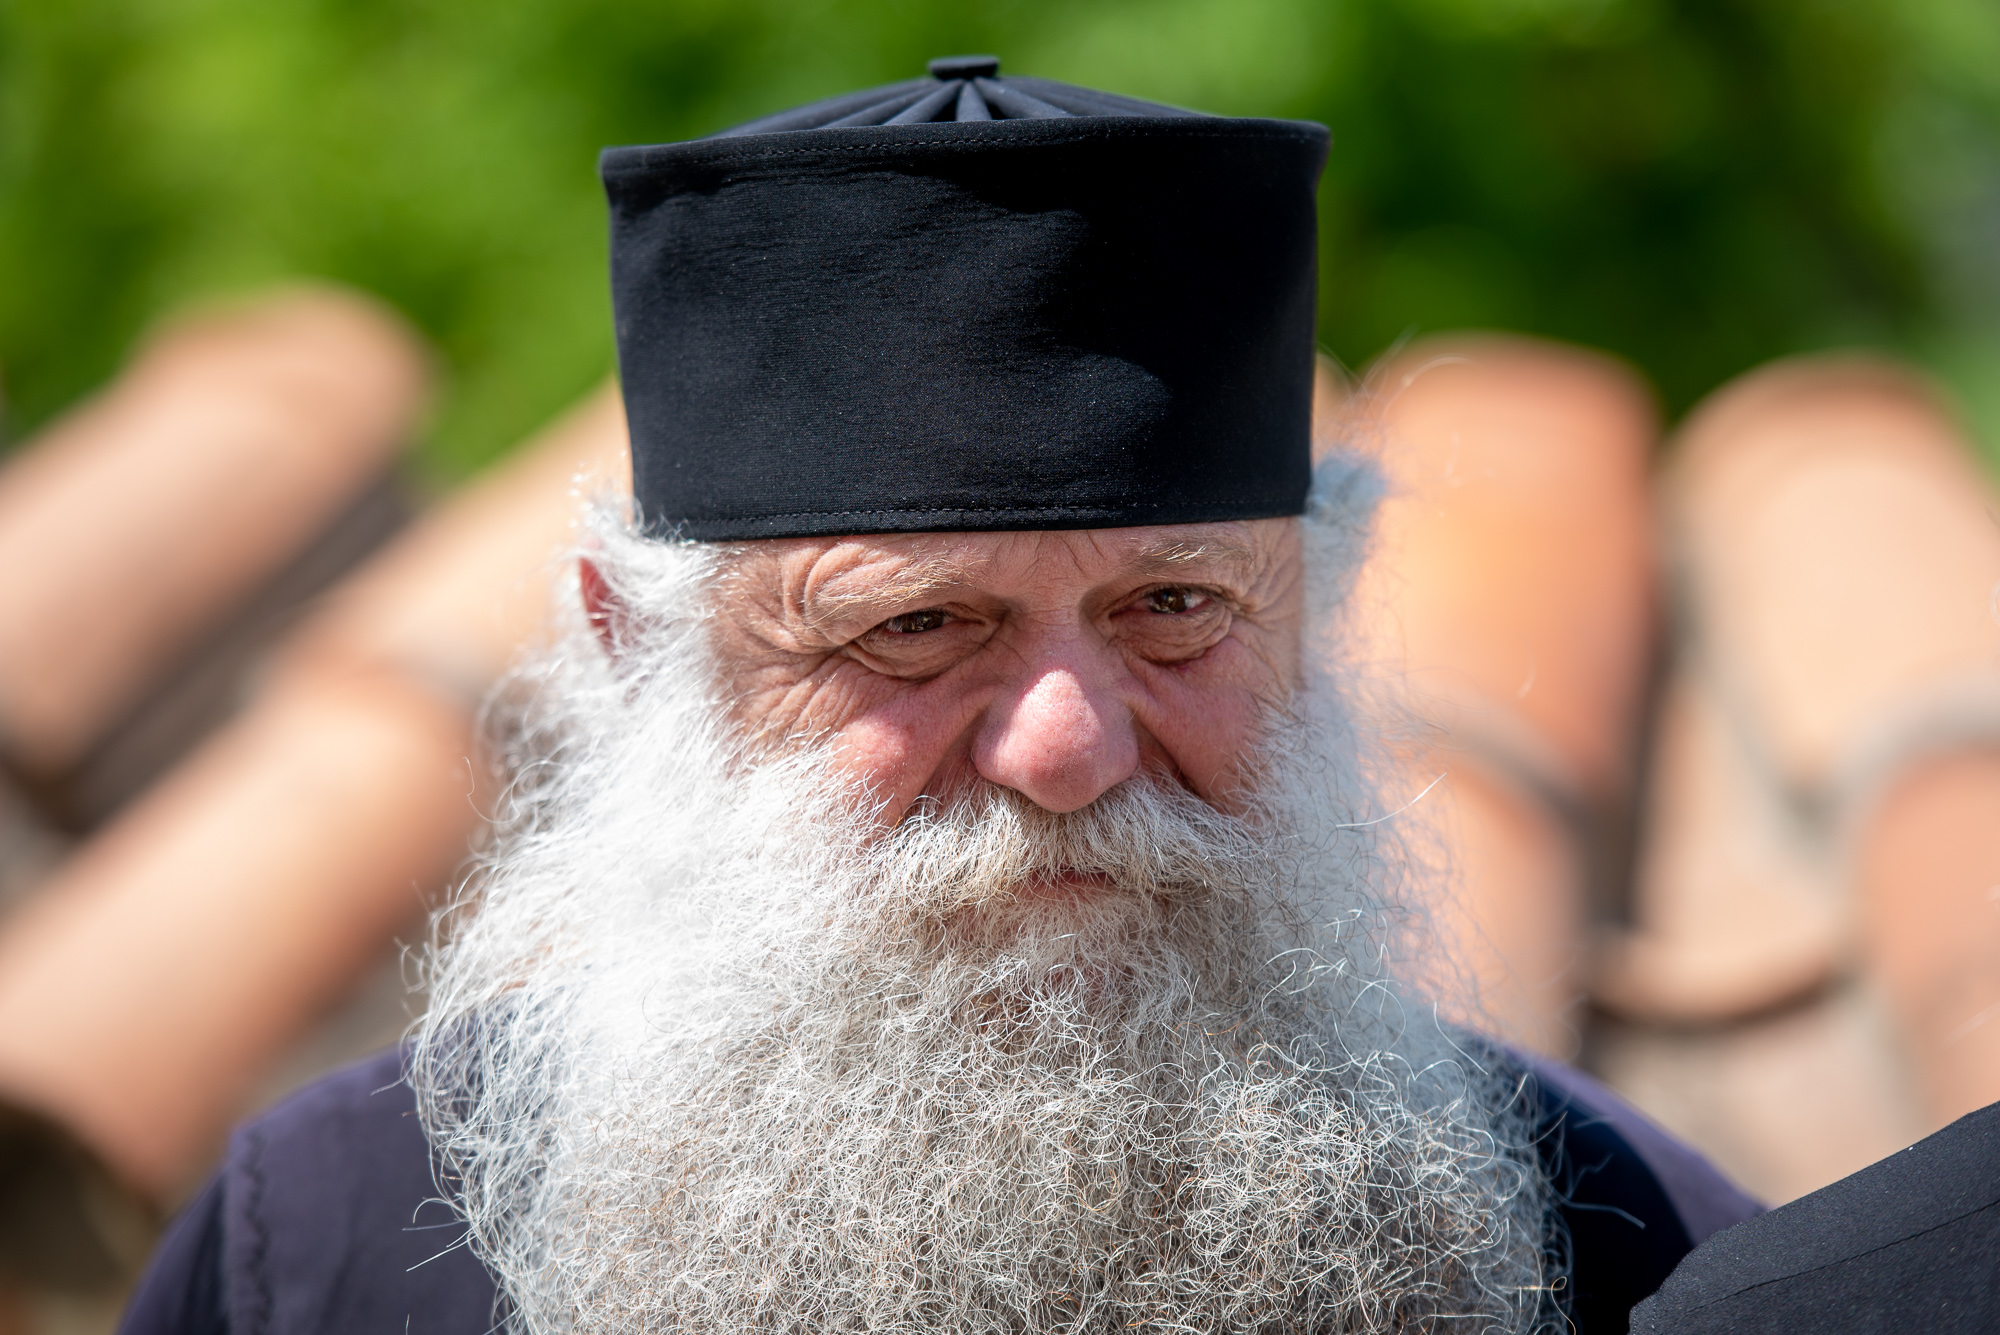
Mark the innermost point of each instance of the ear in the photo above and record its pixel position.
(602, 607)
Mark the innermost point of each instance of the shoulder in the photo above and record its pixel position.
(323, 1218)
(1703, 1200)
(1909, 1243)
(1630, 1201)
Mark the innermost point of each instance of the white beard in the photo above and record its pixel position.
(713, 1055)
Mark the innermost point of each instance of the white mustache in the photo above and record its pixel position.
(1148, 835)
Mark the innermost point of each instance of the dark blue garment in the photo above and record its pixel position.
(325, 1220)
(1631, 1200)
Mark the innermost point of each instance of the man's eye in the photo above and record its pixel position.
(916, 623)
(1173, 602)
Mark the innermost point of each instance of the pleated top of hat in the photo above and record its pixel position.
(961, 88)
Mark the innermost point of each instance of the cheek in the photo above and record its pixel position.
(894, 735)
(791, 698)
(1207, 713)
(910, 743)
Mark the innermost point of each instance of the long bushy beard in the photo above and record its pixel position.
(713, 1054)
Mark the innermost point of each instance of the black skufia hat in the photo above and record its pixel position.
(967, 303)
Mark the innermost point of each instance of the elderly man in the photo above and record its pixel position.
(942, 889)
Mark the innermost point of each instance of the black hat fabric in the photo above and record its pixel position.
(967, 303)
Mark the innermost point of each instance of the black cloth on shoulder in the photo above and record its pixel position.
(325, 1218)
(1911, 1243)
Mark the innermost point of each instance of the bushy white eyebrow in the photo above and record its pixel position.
(918, 577)
(1170, 555)
(914, 580)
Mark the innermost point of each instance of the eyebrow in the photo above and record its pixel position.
(1172, 556)
(913, 581)
(919, 577)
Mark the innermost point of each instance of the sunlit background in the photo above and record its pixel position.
(1696, 184)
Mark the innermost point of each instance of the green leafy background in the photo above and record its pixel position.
(1697, 184)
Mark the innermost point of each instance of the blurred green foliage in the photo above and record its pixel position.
(1697, 184)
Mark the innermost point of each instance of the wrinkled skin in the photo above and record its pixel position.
(1057, 664)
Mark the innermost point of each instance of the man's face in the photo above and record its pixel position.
(1056, 664)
